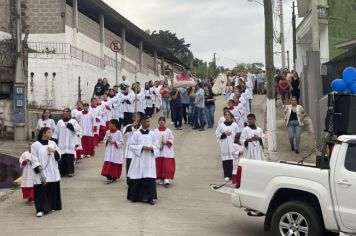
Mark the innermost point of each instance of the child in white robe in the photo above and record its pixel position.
(252, 138)
(95, 110)
(225, 135)
(27, 175)
(222, 118)
(87, 123)
(237, 154)
(165, 159)
(113, 159)
(128, 131)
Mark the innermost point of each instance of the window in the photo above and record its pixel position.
(350, 160)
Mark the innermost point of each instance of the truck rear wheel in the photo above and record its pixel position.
(296, 218)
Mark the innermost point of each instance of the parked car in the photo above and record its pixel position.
(301, 199)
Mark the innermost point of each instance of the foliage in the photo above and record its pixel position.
(182, 51)
(243, 67)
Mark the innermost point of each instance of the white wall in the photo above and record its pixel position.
(324, 43)
(62, 90)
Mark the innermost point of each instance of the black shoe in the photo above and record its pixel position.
(195, 128)
(151, 202)
(296, 151)
(201, 129)
(292, 148)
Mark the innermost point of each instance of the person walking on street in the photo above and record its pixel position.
(199, 106)
(165, 99)
(209, 106)
(185, 100)
(295, 83)
(176, 108)
(284, 90)
(294, 115)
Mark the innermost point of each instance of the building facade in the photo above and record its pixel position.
(69, 50)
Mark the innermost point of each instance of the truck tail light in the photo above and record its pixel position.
(238, 176)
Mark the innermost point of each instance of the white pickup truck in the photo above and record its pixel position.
(301, 200)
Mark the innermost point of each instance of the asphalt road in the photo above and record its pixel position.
(187, 207)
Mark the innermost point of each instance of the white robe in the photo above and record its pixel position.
(148, 98)
(75, 114)
(118, 112)
(141, 103)
(87, 122)
(107, 111)
(167, 135)
(67, 140)
(95, 112)
(27, 172)
(129, 154)
(157, 97)
(113, 151)
(254, 150)
(226, 144)
(237, 154)
(46, 123)
(128, 107)
(41, 157)
(239, 115)
(101, 112)
(143, 165)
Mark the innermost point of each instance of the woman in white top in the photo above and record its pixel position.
(294, 115)
(46, 121)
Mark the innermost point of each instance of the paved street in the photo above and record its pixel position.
(188, 207)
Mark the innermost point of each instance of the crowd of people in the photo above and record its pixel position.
(125, 110)
(237, 133)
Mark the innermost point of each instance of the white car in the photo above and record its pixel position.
(301, 200)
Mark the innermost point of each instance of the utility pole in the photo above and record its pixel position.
(271, 106)
(282, 39)
(294, 37)
(315, 26)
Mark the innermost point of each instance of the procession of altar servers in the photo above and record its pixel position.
(80, 131)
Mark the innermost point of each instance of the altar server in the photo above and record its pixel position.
(66, 134)
(252, 138)
(46, 178)
(225, 135)
(112, 166)
(165, 159)
(142, 172)
(27, 175)
(87, 123)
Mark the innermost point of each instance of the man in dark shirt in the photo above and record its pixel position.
(176, 108)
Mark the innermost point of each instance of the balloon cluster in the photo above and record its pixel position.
(347, 84)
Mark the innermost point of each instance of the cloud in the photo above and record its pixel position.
(234, 29)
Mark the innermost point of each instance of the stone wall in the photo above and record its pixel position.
(45, 16)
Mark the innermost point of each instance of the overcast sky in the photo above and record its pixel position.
(234, 29)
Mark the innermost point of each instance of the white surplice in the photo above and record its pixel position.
(148, 98)
(128, 131)
(254, 150)
(87, 122)
(143, 165)
(67, 140)
(41, 157)
(113, 151)
(27, 172)
(237, 154)
(226, 144)
(97, 116)
(165, 136)
(46, 123)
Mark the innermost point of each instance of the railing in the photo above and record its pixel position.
(86, 57)
(49, 47)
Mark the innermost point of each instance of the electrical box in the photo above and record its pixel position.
(20, 104)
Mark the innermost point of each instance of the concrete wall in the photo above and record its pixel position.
(45, 16)
(342, 24)
(4, 15)
(62, 90)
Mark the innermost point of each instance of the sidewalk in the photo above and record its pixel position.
(307, 140)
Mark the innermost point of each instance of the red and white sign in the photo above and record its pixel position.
(115, 46)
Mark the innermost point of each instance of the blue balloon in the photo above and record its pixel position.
(349, 75)
(339, 85)
(353, 87)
